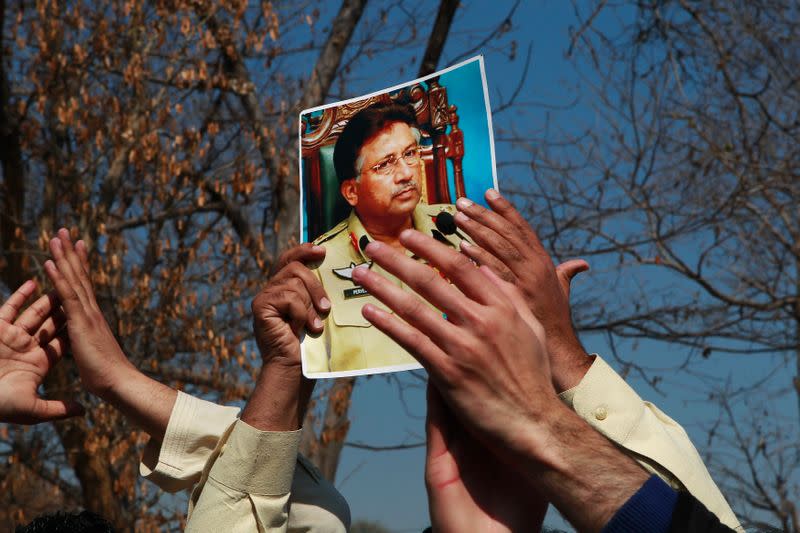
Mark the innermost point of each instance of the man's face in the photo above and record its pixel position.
(386, 190)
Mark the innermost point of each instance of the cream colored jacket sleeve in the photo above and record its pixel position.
(657, 442)
(195, 436)
(193, 431)
(248, 485)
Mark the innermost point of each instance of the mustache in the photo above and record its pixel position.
(405, 187)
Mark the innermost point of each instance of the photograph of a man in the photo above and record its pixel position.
(372, 167)
(378, 164)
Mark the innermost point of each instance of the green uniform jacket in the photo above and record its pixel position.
(349, 343)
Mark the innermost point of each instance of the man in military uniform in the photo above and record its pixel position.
(378, 164)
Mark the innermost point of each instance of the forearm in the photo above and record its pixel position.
(279, 400)
(144, 401)
(572, 464)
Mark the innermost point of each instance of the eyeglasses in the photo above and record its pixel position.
(387, 166)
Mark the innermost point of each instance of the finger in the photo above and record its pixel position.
(57, 347)
(568, 270)
(292, 301)
(37, 313)
(506, 210)
(303, 253)
(516, 298)
(50, 410)
(83, 254)
(497, 233)
(75, 262)
(457, 267)
(69, 276)
(50, 327)
(11, 307)
(424, 280)
(65, 290)
(413, 340)
(311, 282)
(482, 257)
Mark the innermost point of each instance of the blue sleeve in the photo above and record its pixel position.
(650, 509)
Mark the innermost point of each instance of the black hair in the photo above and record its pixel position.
(60, 522)
(361, 128)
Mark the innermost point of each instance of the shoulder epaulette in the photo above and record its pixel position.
(333, 232)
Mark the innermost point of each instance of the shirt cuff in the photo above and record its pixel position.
(257, 462)
(616, 414)
(650, 509)
(193, 431)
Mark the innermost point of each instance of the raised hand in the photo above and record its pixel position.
(487, 362)
(468, 488)
(99, 357)
(29, 347)
(292, 300)
(508, 245)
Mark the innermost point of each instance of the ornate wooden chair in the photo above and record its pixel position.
(442, 139)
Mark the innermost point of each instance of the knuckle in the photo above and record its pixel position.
(428, 276)
(459, 262)
(481, 322)
(509, 252)
(410, 306)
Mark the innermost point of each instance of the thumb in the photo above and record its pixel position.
(568, 270)
(50, 410)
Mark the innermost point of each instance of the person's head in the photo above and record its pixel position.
(60, 522)
(377, 162)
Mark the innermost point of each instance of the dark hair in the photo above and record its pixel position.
(60, 522)
(361, 128)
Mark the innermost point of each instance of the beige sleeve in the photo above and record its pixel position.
(657, 442)
(248, 484)
(194, 429)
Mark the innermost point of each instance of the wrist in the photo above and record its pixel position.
(280, 398)
(109, 385)
(570, 463)
(569, 363)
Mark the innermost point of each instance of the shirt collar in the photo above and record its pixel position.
(419, 218)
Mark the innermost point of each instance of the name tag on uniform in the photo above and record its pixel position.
(355, 292)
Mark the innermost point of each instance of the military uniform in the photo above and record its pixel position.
(349, 342)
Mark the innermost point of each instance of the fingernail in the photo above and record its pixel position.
(465, 244)
(372, 247)
(56, 243)
(317, 248)
(368, 310)
(461, 217)
(407, 234)
(464, 203)
(63, 232)
(492, 194)
(360, 271)
(317, 323)
(325, 303)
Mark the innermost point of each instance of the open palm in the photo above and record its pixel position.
(29, 347)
